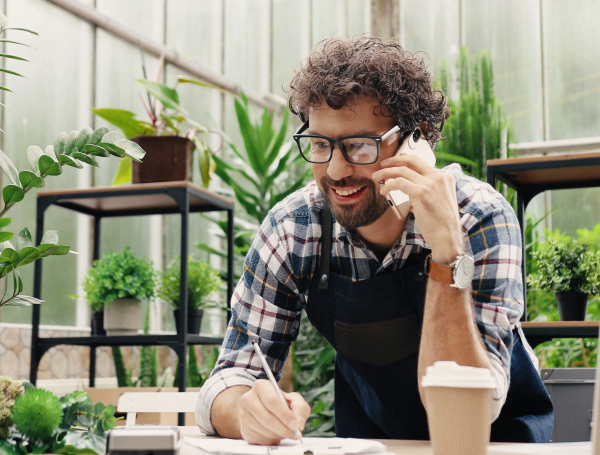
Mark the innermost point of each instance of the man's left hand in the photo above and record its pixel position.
(433, 198)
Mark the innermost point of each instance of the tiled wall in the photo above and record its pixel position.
(66, 361)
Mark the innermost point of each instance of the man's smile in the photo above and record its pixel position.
(348, 193)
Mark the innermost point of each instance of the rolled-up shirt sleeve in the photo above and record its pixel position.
(266, 307)
(494, 241)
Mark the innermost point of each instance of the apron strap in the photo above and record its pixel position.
(325, 262)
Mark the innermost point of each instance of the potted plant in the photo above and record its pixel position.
(169, 136)
(203, 282)
(97, 310)
(118, 282)
(572, 271)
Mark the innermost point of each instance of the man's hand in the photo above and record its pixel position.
(433, 199)
(265, 420)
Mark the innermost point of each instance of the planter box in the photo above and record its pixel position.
(168, 158)
(111, 396)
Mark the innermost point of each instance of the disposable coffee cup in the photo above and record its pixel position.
(459, 408)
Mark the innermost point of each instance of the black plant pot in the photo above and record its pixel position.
(98, 323)
(572, 305)
(194, 320)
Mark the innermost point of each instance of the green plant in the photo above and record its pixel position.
(68, 425)
(119, 276)
(37, 414)
(477, 129)
(10, 390)
(203, 281)
(72, 150)
(571, 266)
(194, 376)
(171, 119)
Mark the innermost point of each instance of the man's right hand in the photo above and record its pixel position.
(261, 416)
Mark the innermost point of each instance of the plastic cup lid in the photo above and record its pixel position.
(451, 374)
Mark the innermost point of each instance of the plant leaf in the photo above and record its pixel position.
(96, 150)
(131, 149)
(4, 70)
(10, 255)
(24, 239)
(12, 194)
(23, 30)
(60, 143)
(48, 166)
(85, 158)
(5, 235)
(4, 222)
(83, 137)
(33, 155)
(9, 169)
(13, 56)
(113, 149)
(69, 161)
(71, 145)
(48, 249)
(28, 255)
(123, 119)
(123, 175)
(50, 237)
(30, 179)
(166, 95)
(98, 134)
(49, 150)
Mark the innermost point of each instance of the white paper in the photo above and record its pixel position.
(555, 448)
(288, 446)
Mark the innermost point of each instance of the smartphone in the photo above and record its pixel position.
(414, 144)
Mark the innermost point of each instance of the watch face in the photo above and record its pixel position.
(463, 273)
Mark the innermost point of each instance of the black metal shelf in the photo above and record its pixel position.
(540, 332)
(161, 198)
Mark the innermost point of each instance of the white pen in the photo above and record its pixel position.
(273, 381)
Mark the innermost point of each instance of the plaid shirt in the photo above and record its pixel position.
(270, 296)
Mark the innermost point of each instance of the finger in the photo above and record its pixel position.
(411, 161)
(270, 401)
(252, 406)
(299, 407)
(390, 174)
(254, 432)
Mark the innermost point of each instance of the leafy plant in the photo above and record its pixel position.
(10, 390)
(477, 129)
(170, 119)
(119, 276)
(67, 425)
(203, 282)
(71, 149)
(571, 266)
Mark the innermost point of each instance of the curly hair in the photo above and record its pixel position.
(339, 71)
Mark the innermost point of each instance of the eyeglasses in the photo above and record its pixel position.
(355, 149)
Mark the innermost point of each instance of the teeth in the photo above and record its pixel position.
(348, 192)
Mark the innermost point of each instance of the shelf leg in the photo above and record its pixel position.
(521, 218)
(92, 366)
(230, 254)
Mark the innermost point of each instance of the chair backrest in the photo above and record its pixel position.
(133, 402)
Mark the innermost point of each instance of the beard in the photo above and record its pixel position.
(362, 213)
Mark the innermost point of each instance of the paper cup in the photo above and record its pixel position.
(459, 408)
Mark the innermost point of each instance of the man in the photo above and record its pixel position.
(361, 278)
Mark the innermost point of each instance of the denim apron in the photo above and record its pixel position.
(374, 326)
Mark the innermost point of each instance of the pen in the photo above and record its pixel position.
(273, 381)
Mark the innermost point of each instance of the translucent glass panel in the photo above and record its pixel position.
(291, 40)
(573, 38)
(358, 17)
(430, 26)
(328, 19)
(117, 65)
(511, 31)
(53, 98)
(575, 209)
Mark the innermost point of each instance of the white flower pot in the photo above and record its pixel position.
(123, 317)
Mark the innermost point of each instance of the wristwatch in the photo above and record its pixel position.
(458, 274)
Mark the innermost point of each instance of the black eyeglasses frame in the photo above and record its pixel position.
(333, 142)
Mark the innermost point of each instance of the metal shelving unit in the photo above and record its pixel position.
(180, 198)
(529, 177)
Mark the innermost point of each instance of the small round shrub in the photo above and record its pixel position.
(10, 390)
(37, 414)
(119, 276)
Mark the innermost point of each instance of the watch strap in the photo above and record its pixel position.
(440, 272)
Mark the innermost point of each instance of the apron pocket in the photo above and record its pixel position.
(378, 343)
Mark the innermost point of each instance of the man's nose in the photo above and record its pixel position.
(338, 166)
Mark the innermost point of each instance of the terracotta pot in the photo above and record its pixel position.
(98, 323)
(123, 317)
(167, 159)
(194, 320)
(572, 305)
